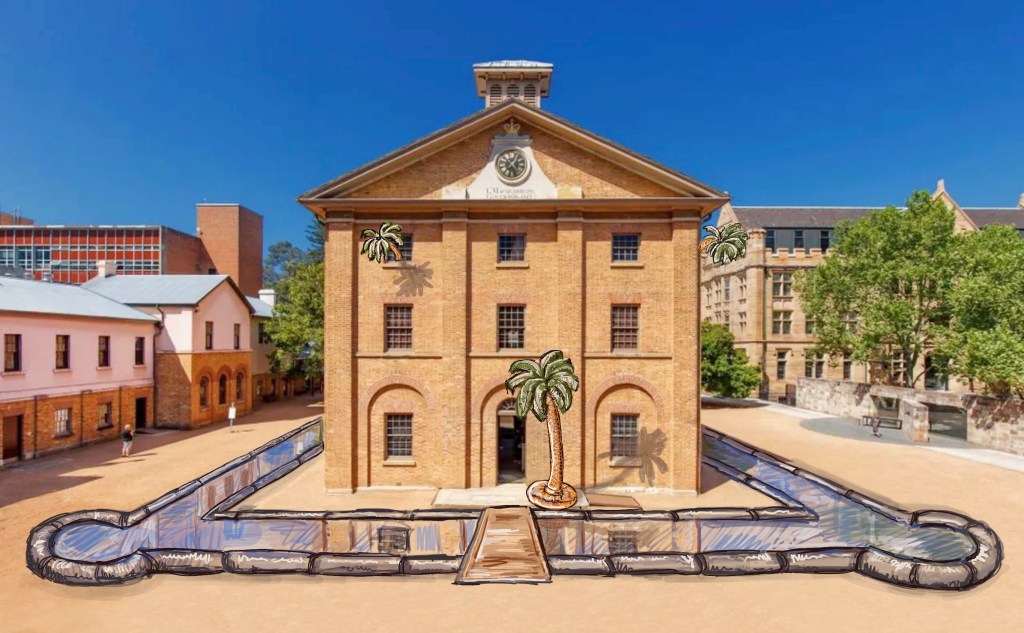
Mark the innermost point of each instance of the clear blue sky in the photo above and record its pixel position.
(117, 112)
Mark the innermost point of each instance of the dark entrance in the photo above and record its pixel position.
(12, 438)
(140, 413)
(511, 444)
(947, 421)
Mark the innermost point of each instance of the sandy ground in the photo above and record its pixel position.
(911, 477)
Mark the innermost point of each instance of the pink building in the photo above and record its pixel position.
(77, 367)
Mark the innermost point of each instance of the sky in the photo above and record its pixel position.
(116, 112)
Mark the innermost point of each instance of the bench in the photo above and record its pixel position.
(876, 421)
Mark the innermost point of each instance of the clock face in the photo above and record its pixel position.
(511, 165)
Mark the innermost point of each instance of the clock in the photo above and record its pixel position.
(512, 165)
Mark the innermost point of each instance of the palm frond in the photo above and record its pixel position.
(526, 365)
(550, 357)
(540, 405)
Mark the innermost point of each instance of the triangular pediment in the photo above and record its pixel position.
(452, 163)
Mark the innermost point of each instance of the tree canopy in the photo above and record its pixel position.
(725, 370)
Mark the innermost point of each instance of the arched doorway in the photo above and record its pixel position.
(511, 444)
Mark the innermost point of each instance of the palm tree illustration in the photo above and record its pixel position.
(377, 245)
(545, 388)
(726, 244)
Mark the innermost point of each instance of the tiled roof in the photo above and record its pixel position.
(1005, 215)
(797, 217)
(153, 290)
(260, 308)
(40, 297)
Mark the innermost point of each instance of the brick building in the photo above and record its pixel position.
(229, 241)
(755, 296)
(203, 359)
(528, 233)
(77, 367)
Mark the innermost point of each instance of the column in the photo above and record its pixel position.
(340, 421)
(453, 383)
(684, 423)
(571, 324)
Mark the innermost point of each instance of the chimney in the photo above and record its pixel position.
(267, 296)
(512, 79)
(106, 268)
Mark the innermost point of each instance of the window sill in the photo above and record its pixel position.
(62, 370)
(143, 366)
(627, 265)
(624, 462)
(103, 368)
(399, 461)
(512, 265)
(17, 372)
(405, 263)
(60, 436)
(105, 427)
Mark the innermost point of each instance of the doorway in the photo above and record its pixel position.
(511, 444)
(140, 413)
(12, 428)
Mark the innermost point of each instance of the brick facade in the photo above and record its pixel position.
(233, 237)
(178, 376)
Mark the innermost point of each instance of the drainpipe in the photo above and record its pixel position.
(81, 415)
(35, 426)
(159, 329)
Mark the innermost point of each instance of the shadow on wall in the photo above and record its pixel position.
(413, 279)
(649, 447)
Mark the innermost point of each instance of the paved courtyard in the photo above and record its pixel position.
(907, 476)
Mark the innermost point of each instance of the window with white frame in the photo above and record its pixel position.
(62, 422)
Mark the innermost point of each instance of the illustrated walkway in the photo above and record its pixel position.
(816, 526)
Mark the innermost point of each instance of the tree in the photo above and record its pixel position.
(882, 293)
(378, 244)
(985, 337)
(726, 244)
(281, 256)
(297, 328)
(545, 388)
(725, 370)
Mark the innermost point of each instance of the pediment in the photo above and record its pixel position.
(460, 162)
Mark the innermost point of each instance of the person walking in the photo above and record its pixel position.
(231, 417)
(126, 440)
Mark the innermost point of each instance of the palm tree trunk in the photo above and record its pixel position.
(394, 251)
(554, 485)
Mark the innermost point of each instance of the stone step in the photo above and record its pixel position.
(505, 549)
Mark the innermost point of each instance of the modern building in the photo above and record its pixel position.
(203, 359)
(756, 299)
(524, 233)
(77, 367)
(229, 241)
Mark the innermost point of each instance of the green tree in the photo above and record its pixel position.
(725, 370)
(545, 388)
(297, 328)
(985, 336)
(882, 293)
(281, 256)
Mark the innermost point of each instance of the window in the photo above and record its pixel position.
(238, 336)
(399, 435)
(769, 240)
(808, 367)
(782, 321)
(624, 435)
(826, 241)
(625, 247)
(222, 389)
(809, 325)
(625, 327)
(392, 540)
(726, 321)
(725, 288)
(103, 353)
(62, 422)
(140, 350)
(12, 352)
(847, 367)
(209, 335)
(264, 336)
(782, 284)
(622, 542)
(405, 249)
(743, 287)
(742, 326)
(7, 256)
(819, 366)
(780, 365)
(798, 238)
(511, 248)
(204, 393)
(397, 327)
(43, 258)
(106, 416)
(239, 387)
(63, 359)
(511, 327)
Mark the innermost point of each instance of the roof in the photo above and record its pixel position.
(41, 297)
(798, 217)
(260, 308)
(982, 217)
(483, 119)
(161, 290)
(513, 63)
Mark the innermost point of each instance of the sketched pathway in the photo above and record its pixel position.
(818, 526)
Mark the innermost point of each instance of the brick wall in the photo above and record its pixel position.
(183, 254)
(233, 237)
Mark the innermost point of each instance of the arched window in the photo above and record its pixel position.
(204, 393)
(222, 389)
(240, 387)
